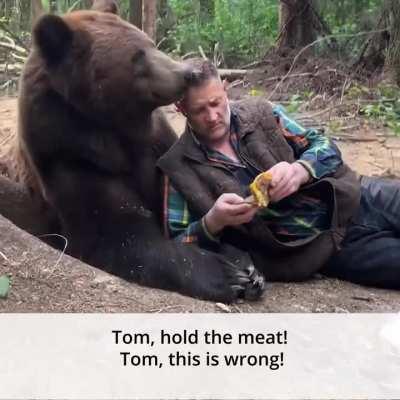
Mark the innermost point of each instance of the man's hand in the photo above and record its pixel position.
(228, 210)
(286, 179)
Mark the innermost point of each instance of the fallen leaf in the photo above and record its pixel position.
(4, 286)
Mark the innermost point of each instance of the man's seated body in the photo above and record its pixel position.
(322, 216)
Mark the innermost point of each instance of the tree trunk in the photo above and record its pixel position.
(15, 20)
(393, 54)
(136, 13)
(372, 55)
(26, 16)
(150, 18)
(296, 20)
(36, 10)
(52, 6)
(167, 21)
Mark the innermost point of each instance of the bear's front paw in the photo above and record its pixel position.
(250, 284)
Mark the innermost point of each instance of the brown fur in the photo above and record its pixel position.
(14, 161)
(89, 138)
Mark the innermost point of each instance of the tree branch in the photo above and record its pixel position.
(312, 44)
(4, 28)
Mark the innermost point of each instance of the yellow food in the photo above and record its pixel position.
(259, 189)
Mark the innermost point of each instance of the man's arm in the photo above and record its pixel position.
(228, 210)
(316, 152)
(180, 224)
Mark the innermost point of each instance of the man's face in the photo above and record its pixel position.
(207, 110)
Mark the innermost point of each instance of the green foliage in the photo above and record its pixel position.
(334, 126)
(357, 91)
(243, 30)
(296, 100)
(381, 103)
(256, 92)
(232, 32)
(388, 91)
(62, 6)
(4, 286)
(348, 17)
(294, 103)
(46, 4)
(74, 5)
(386, 108)
(386, 111)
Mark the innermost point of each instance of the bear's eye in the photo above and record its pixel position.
(138, 56)
(139, 63)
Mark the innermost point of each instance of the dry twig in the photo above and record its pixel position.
(314, 43)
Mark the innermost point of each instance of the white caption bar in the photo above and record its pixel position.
(203, 356)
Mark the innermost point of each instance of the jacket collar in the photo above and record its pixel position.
(244, 124)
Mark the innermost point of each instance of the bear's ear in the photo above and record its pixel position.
(53, 37)
(109, 6)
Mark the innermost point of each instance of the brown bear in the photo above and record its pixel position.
(89, 137)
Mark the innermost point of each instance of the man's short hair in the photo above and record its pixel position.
(204, 70)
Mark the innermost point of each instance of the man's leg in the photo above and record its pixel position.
(370, 253)
(373, 259)
(380, 204)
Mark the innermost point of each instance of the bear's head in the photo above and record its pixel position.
(102, 65)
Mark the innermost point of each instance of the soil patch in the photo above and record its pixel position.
(42, 281)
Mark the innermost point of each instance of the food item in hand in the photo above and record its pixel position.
(259, 189)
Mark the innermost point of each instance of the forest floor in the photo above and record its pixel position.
(41, 282)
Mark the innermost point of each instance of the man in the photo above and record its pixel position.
(322, 217)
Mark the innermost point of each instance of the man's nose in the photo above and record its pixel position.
(212, 115)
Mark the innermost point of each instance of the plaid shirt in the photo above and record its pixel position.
(294, 217)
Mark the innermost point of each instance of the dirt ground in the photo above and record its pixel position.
(44, 282)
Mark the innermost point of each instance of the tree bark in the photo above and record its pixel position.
(167, 20)
(372, 55)
(296, 20)
(26, 16)
(150, 18)
(136, 13)
(393, 54)
(36, 10)
(52, 6)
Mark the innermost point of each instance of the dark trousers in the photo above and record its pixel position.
(370, 253)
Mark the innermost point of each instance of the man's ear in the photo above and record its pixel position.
(53, 37)
(225, 83)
